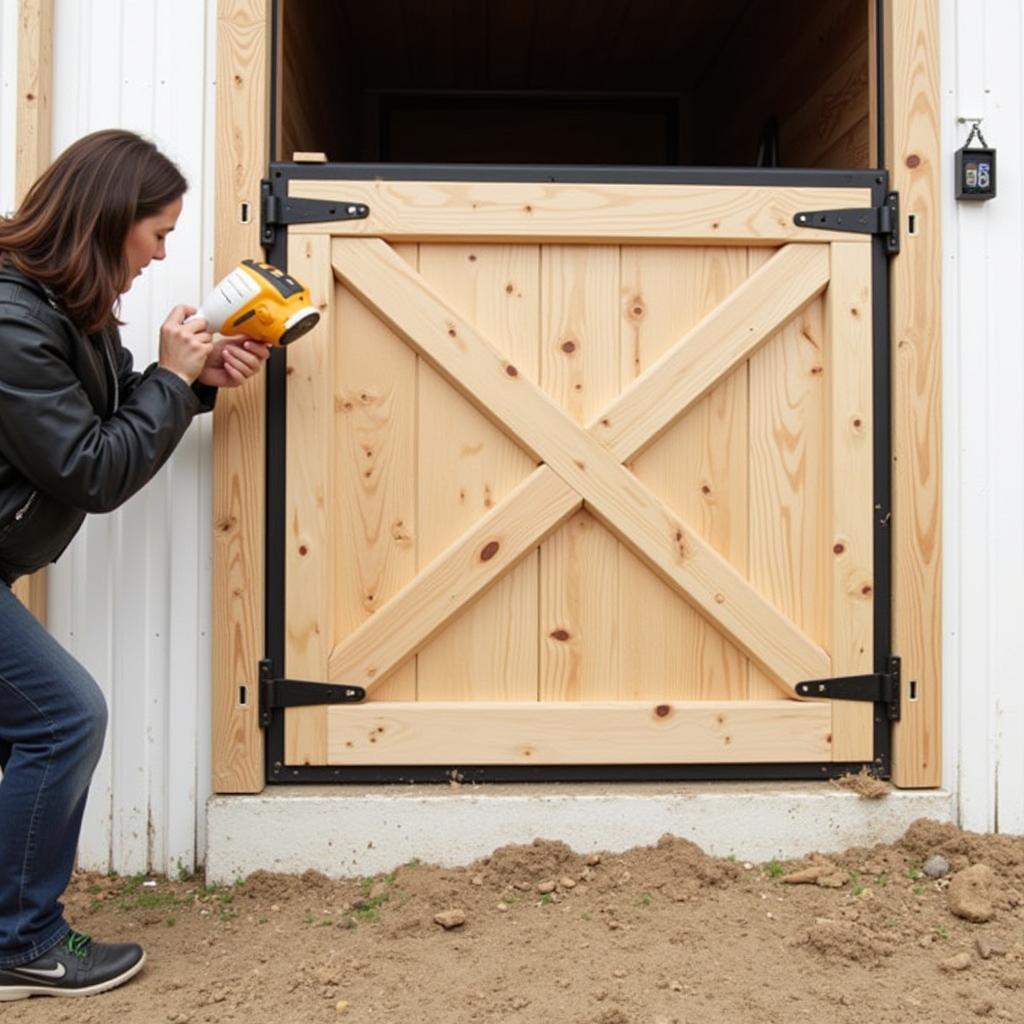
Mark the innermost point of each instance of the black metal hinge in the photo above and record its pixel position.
(879, 688)
(280, 211)
(292, 693)
(881, 220)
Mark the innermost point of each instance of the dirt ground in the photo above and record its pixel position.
(656, 935)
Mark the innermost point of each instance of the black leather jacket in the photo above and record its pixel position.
(79, 430)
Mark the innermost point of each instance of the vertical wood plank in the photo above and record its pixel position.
(788, 496)
(579, 576)
(33, 146)
(698, 467)
(913, 156)
(238, 442)
(374, 471)
(848, 366)
(310, 499)
(467, 465)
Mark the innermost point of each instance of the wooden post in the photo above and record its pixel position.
(243, 34)
(35, 84)
(913, 157)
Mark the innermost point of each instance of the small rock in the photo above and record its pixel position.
(807, 876)
(984, 947)
(522, 886)
(593, 859)
(348, 923)
(959, 962)
(936, 867)
(477, 880)
(567, 882)
(970, 894)
(341, 1006)
(449, 919)
(998, 947)
(503, 908)
(546, 886)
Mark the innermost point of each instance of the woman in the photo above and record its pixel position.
(80, 432)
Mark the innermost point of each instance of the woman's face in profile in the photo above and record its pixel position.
(146, 237)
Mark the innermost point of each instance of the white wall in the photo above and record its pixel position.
(983, 312)
(131, 599)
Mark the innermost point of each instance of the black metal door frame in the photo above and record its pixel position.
(281, 174)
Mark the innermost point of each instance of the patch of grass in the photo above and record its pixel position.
(171, 921)
(942, 933)
(918, 890)
(644, 901)
(545, 900)
(775, 869)
(882, 881)
(914, 872)
(585, 916)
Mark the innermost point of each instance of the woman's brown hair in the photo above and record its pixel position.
(70, 231)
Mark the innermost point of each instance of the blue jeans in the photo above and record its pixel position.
(52, 721)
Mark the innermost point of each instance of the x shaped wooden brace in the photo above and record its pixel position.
(580, 466)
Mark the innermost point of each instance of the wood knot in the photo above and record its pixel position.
(509, 289)
(489, 551)
(662, 710)
(303, 550)
(606, 422)
(560, 634)
(838, 548)
(867, 590)
(472, 257)
(511, 371)
(913, 161)
(705, 489)
(569, 347)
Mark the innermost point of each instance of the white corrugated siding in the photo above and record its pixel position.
(983, 309)
(131, 599)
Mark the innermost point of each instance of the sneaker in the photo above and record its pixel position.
(76, 966)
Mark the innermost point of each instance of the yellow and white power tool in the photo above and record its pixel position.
(261, 302)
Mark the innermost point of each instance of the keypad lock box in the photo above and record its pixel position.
(975, 173)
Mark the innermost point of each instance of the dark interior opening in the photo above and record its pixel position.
(611, 82)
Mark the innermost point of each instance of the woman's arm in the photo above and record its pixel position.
(51, 433)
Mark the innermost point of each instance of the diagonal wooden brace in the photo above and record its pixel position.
(590, 469)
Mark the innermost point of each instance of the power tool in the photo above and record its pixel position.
(261, 302)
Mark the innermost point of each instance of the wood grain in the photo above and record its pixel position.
(697, 467)
(914, 158)
(850, 453)
(33, 153)
(613, 214)
(579, 570)
(611, 491)
(238, 434)
(572, 732)
(466, 466)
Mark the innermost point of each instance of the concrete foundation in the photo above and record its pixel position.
(346, 831)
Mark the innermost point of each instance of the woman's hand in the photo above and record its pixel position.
(184, 347)
(232, 361)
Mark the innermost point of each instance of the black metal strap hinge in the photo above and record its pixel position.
(881, 220)
(879, 688)
(292, 693)
(280, 211)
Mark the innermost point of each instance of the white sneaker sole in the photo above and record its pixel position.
(10, 993)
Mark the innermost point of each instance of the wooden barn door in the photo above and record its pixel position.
(580, 474)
